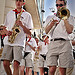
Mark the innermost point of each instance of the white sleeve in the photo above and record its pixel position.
(30, 22)
(48, 20)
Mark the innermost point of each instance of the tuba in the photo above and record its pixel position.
(15, 30)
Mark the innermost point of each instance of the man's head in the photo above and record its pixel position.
(19, 3)
(60, 3)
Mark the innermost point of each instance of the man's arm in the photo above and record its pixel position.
(73, 42)
(33, 48)
(48, 28)
(68, 26)
(25, 29)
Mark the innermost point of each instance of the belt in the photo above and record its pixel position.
(25, 54)
(56, 39)
(44, 56)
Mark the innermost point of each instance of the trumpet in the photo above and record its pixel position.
(15, 30)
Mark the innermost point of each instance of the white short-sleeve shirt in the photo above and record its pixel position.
(60, 30)
(44, 48)
(26, 20)
(32, 42)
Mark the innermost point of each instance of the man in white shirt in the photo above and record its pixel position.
(14, 50)
(59, 47)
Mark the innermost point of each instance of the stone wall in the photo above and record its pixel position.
(5, 7)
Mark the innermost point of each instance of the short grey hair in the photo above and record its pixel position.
(65, 2)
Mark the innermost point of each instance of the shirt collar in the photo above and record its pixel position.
(17, 11)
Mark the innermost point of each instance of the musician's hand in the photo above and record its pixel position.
(27, 43)
(54, 22)
(3, 30)
(9, 33)
(37, 52)
(19, 23)
(38, 47)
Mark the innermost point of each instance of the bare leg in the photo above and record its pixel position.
(62, 71)
(52, 70)
(57, 71)
(22, 70)
(27, 70)
(35, 73)
(30, 71)
(6, 64)
(16, 68)
(41, 71)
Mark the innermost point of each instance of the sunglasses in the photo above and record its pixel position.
(61, 0)
(59, 5)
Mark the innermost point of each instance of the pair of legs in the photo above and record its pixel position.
(26, 62)
(28, 70)
(9, 53)
(52, 70)
(21, 69)
(41, 71)
(6, 64)
(35, 73)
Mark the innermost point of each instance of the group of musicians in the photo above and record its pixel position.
(17, 26)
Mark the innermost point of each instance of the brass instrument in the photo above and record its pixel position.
(63, 13)
(15, 30)
(1, 50)
(37, 52)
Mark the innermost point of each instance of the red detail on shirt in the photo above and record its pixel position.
(29, 39)
(44, 42)
(3, 36)
(17, 11)
(55, 14)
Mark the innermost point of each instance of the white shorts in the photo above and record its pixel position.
(12, 52)
(61, 50)
(27, 61)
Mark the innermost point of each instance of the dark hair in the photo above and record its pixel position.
(17, 0)
(23, 0)
(65, 2)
